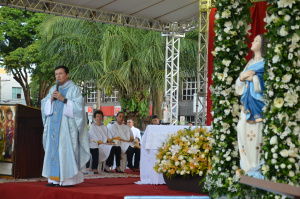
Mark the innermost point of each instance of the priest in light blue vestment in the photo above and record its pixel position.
(65, 137)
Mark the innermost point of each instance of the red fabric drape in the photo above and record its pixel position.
(258, 13)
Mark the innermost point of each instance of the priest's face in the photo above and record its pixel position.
(120, 118)
(61, 76)
(256, 44)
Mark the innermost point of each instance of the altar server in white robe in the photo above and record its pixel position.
(65, 137)
(124, 134)
(250, 85)
(101, 146)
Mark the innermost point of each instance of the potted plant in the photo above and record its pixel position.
(185, 158)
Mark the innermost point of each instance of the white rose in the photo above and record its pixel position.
(227, 111)
(286, 78)
(271, 75)
(292, 153)
(278, 48)
(247, 29)
(226, 30)
(273, 161)
(240, 23)
(226, 62)
(283, 32)
(228, 158)
(291, 173)
(291, 99)
(229, 80)
(284, 153)
(273, 140)
(220, 76)
(275, 59)
(282, 165)
(297, 115)
(228, 24)
(271, 93)
(182, 172)
(274, 18)
(287, 17)
(226, 14)
(235, 5)
(265, 169)
(200, 173)
(292, 160)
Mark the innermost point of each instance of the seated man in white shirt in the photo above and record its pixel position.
(137, 137)
(155, 120)
(123, 133)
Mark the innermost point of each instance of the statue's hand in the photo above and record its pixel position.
(247, 75)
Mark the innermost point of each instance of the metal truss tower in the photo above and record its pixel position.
(201, 105)
(172, 74)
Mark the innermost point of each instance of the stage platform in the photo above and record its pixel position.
(96, 186)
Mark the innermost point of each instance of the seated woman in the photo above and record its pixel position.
(101, 147)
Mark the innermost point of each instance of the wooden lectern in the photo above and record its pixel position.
(21, 146)
(277, 188)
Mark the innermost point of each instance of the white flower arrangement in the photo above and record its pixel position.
(282, 110)
(232, 19)
(185, 153)
(281, 113)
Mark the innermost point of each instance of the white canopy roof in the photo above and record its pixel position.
(158, 15)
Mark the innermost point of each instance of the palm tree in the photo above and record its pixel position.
(129, 60)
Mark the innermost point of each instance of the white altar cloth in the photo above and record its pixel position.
(152, 139)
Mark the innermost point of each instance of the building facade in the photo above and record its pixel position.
(110, 105)
(11, 91)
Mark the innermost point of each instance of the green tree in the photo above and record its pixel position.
(129, 60)
(18, 32)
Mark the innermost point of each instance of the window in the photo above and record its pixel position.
(16, 92)
(189, 87)
(113, 97)
(190, 119)
(92, 96)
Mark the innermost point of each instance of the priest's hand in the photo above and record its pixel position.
(58, 95)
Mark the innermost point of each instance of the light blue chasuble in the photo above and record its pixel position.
(65, 138)
(55, 121)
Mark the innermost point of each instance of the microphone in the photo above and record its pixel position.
(57, 84)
